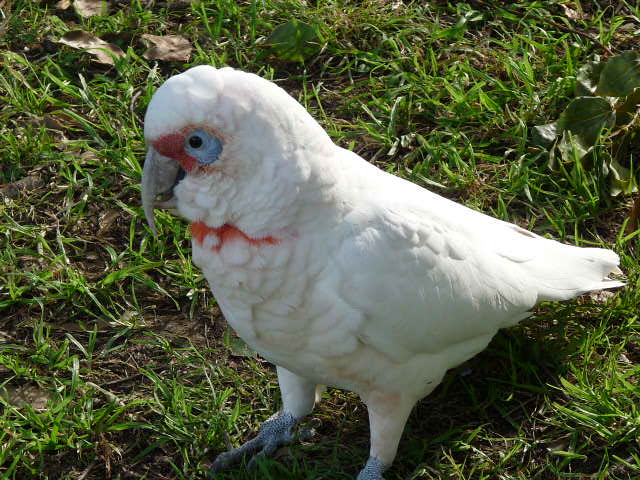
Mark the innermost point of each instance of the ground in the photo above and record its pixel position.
(114, 359)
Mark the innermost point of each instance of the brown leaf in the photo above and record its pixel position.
(26, 395)
(5, 337)
(172, 48)
(55, 125)
(63, 4)
(106, 220)
(601, 296)
(573, 14)
(180, 4)
(103, 51)
(32, 181)
(52, 123)
(558, 444)
(5, 15)
(91, 8)
(47, 121)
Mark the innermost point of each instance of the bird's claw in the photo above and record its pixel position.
(276, 431)
(373, 470)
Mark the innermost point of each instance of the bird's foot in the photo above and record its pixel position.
(276, 431)
(373, 470)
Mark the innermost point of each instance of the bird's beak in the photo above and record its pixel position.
(159, 175)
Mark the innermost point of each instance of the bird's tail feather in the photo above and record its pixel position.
(573, 271)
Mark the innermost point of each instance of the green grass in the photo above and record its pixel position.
(113, 337)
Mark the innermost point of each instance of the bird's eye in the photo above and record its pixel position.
(195, 141)
(203, 146)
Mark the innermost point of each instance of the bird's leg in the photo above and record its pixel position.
(388, 412)
(298, 398)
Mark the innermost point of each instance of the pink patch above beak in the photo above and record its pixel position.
(172, 146)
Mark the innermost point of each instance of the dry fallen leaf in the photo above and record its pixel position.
(601, 296)
(26, 395)
(33, 181)
(90, 8)
(180, 4)
(103, 51)
(559, 444)
(63, 4)
(172, 48)
(622, 358)
(47, 121)
(573, 14)
(5, 13)
(55, 123)
(5, 338)
(106, 220)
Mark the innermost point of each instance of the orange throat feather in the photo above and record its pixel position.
(226, 233)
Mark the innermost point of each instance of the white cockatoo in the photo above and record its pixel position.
(337, 272)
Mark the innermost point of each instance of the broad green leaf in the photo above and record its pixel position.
(585, 117)
(588, 77)
(294, 41)
(625, 112)
(622, 181)
(544, 135)
(571, 148)
(620, 75)
(552, 161)
(621, 166)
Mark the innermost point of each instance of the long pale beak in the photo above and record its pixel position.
(159, 175)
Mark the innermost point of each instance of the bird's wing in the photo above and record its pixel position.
(428, 273)
(423, 287)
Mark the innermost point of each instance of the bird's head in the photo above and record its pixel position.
(226, 146)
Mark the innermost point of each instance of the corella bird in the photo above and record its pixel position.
(337, 272)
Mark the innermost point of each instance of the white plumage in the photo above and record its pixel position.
(335, 271)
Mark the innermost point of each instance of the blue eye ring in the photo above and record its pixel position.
(203, 146)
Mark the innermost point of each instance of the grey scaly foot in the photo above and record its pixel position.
(373, 470)
(276, 431)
